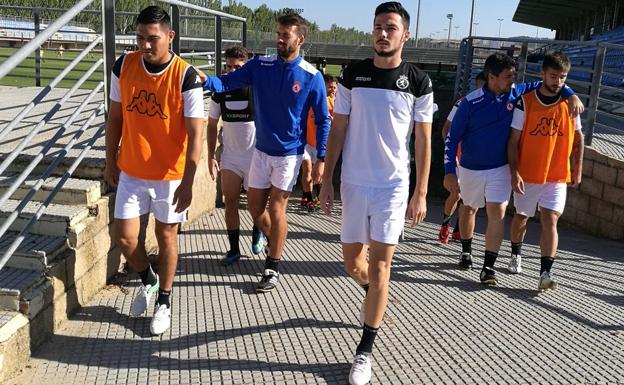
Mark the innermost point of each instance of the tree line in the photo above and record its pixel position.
(260, 21)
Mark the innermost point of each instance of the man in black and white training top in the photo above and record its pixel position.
(379, 102)
(236, 108)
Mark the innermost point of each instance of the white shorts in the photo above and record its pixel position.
(480, 186)
(278, 171)
(372, 213)
(239, 166)
(136, 197)
(551, 196)
(309, 153)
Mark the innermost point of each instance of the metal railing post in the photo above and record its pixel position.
(108, 44)
(244, 34)
(37, 52)
(175, 25)
(218, 44)
(467, 67)
(458, 72)
(594, 92)
(522, 63)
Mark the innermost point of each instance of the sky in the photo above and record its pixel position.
(433, 20)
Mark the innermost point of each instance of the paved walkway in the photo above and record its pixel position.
(441, 327)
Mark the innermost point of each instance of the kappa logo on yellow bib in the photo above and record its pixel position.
(146, 104)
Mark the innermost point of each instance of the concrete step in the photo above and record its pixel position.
(74, 191)
(14, 343)
(91, 167)
(35, 252)
(56, 220)
(14, 282)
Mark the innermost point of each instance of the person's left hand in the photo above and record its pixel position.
(417, 209)
(576, 177)
(317, 172)
(576, 107)
(183, 196)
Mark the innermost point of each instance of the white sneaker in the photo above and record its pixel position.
(161, 321)
(361, 370)
(515, 264)
(141, 300)
(546, 282)
(363, 312)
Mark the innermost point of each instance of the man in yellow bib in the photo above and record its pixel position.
(544, 136)
(153, 146)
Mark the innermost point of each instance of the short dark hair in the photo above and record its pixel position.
(329, 78)
(236, 52)
(296, 20)
(481, 76)
(557, 61)
(497, 63)
(154, 15)
(394, 7)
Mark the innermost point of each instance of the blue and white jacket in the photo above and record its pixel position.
(283, 93)
(482, 124)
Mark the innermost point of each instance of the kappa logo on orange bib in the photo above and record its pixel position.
(296, 87)
(146, 104)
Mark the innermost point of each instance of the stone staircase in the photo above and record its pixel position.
(69, 255)
(63, 262)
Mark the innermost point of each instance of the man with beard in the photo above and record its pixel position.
(380, 101)
(284, 88)
(541, 142)
(482, 125)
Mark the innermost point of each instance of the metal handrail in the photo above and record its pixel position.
(598, 50)
(203, 9)
(107, 41)
(44, 35)
(48, 88)
(5, 164)
(36, 160)
(22, 234)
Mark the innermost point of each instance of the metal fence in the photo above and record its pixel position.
(199, 38)
(89, 60)
(597, 74)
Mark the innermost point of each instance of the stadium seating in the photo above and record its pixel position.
(582, 59)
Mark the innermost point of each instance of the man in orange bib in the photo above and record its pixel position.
(308, 201)
(153, 146)
(544, 136)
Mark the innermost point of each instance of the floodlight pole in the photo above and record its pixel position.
(448, 39)
(417, 22)
(471, 18)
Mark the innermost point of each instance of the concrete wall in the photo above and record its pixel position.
(597, 207)
(204, 188)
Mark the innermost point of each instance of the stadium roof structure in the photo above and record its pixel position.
(552, 14)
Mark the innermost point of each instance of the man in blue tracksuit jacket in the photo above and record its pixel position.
(284, 88)
(482, 124)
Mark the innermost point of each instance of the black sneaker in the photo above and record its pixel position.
(488, 276)
(465, 261)
(268, 281)
(230, 257)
